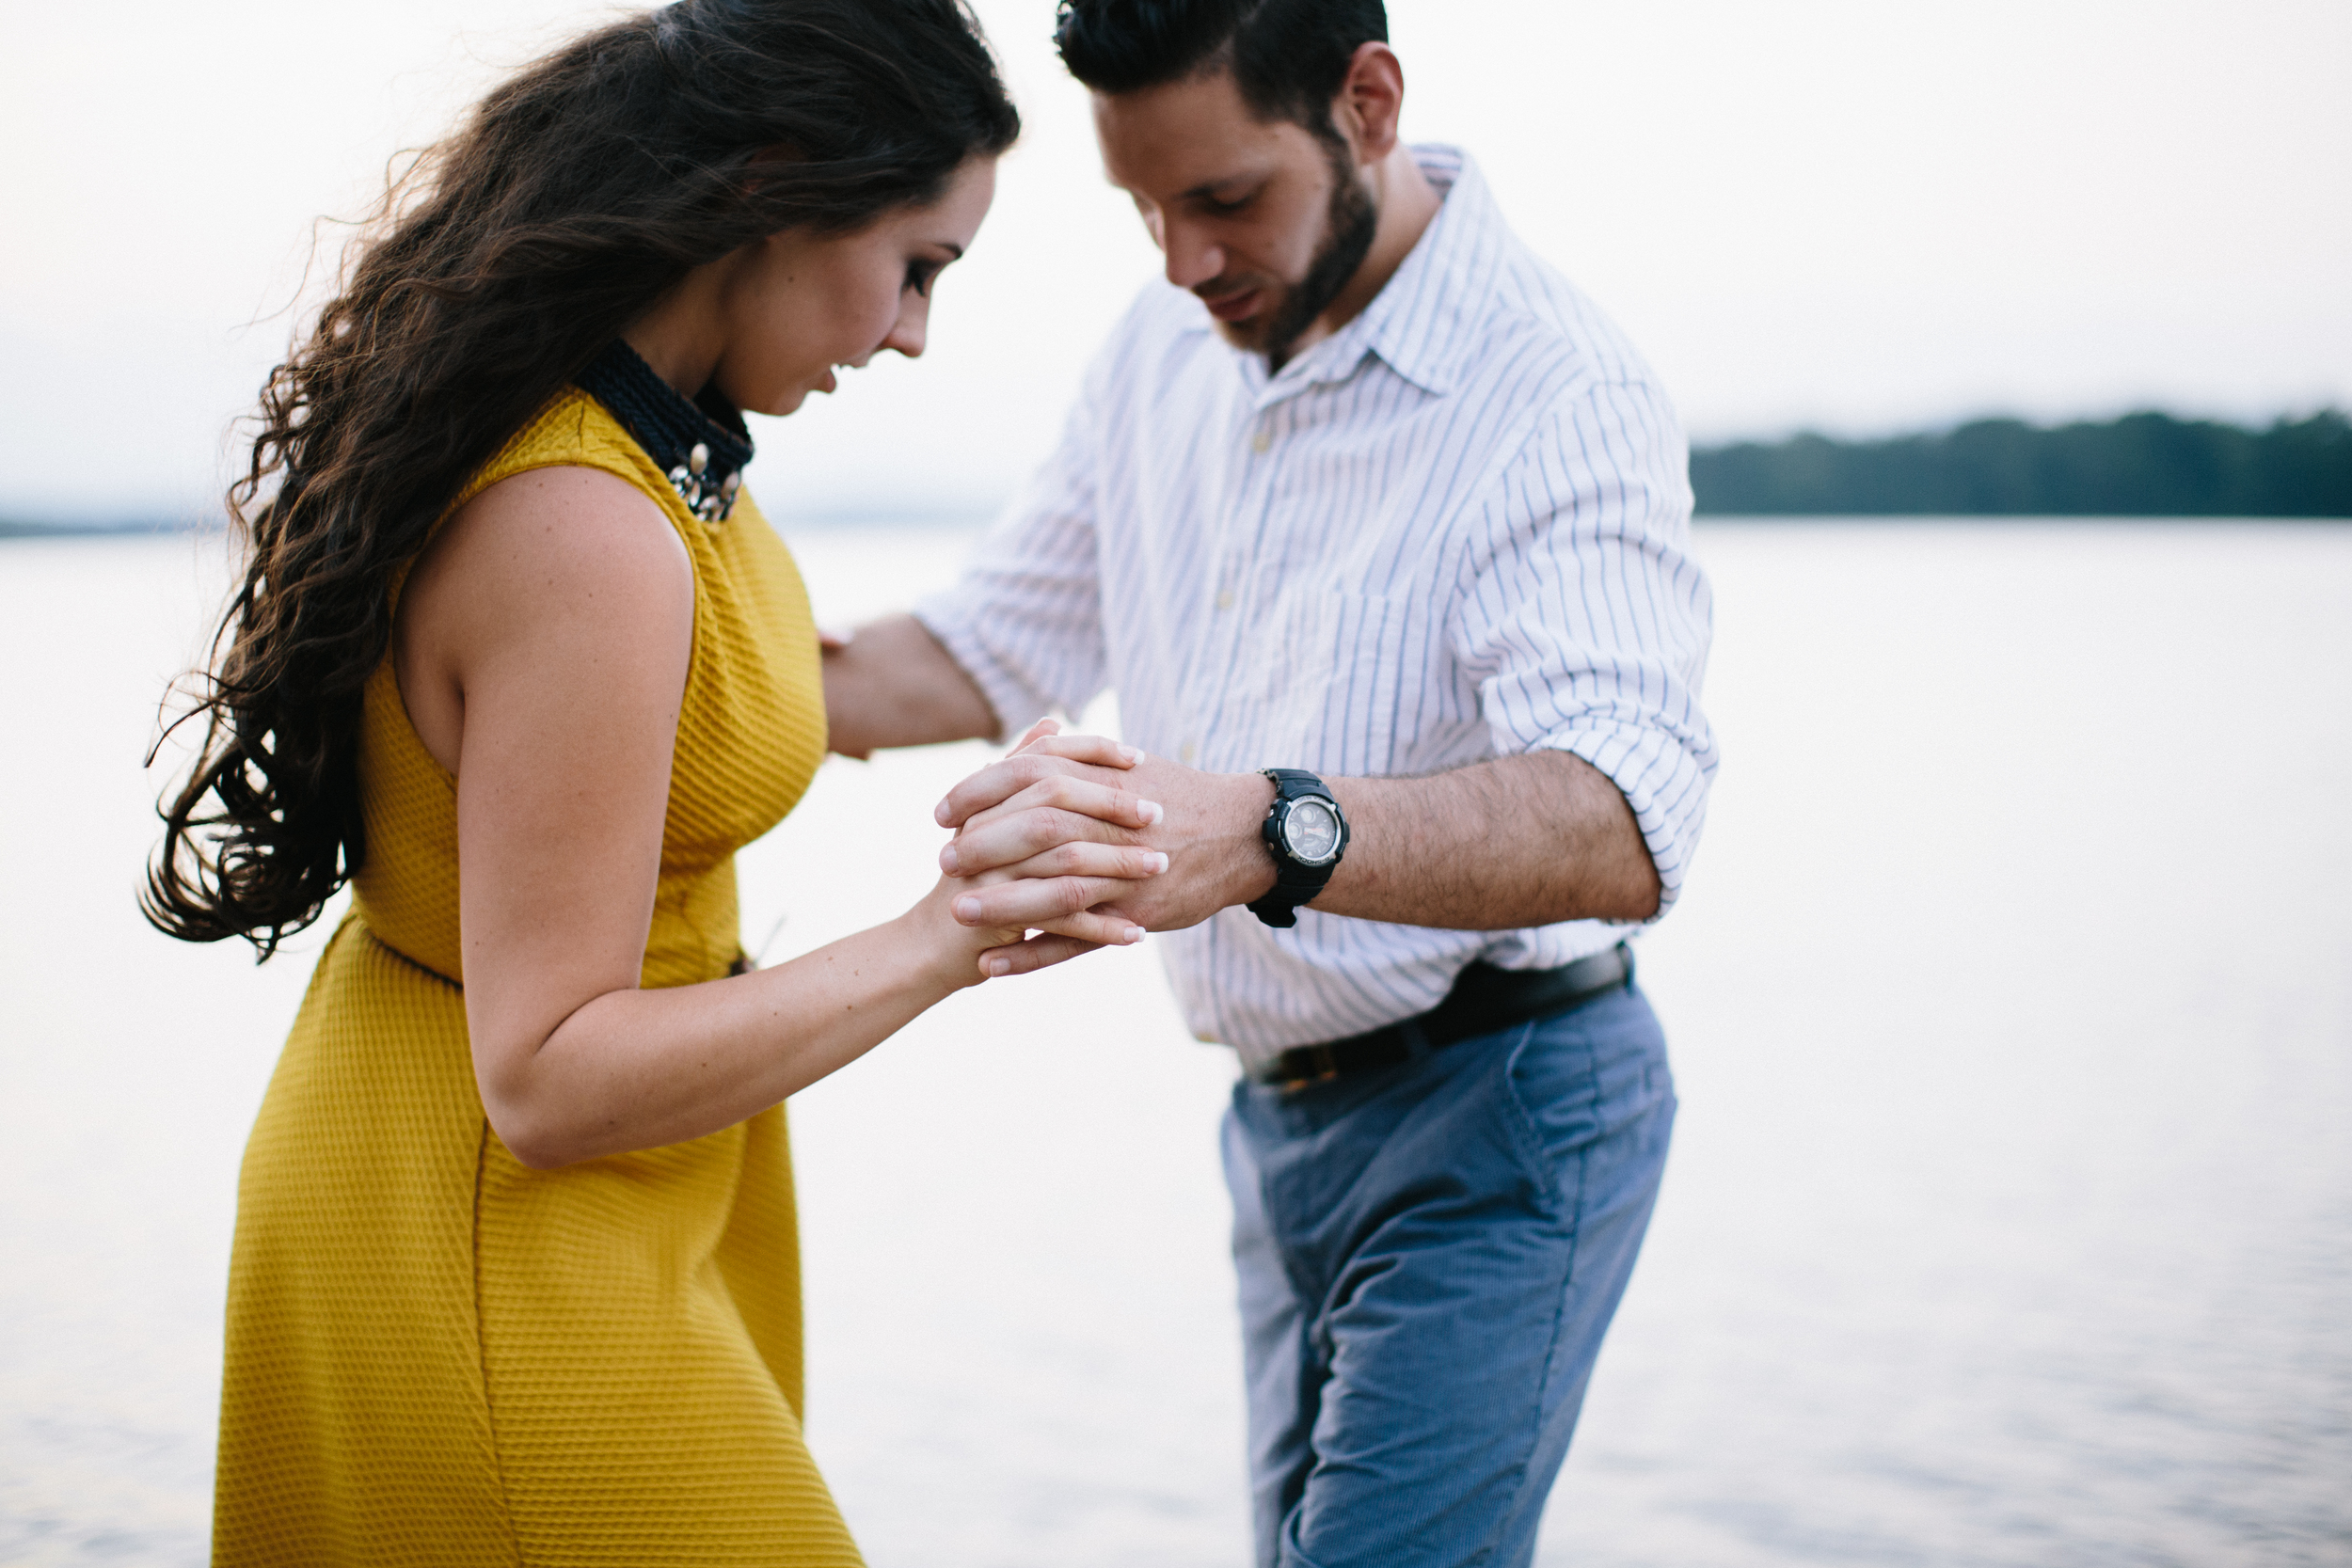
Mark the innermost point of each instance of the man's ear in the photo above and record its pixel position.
(1371, 104)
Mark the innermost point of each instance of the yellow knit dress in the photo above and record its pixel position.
(436, 1355)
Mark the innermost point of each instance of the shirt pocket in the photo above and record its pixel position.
(1333, 674)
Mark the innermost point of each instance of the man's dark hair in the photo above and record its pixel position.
(1289, 57)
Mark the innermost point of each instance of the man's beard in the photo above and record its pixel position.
(1349, 226)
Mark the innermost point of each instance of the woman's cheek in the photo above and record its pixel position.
(884, 319)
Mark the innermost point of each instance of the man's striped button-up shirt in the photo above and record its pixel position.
(1456, 530)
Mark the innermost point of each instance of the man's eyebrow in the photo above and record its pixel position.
(1207, 189)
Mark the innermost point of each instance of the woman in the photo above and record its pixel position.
(515, 1276)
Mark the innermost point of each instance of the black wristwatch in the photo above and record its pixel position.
(1308, 833)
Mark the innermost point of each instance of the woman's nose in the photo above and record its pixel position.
(907, 333)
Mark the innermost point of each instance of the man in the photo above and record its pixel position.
(1370, 497)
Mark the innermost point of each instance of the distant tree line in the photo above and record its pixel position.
(2139, 465)
(18, 527)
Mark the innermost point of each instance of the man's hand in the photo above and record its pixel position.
(1206, 824)
(1497, 846)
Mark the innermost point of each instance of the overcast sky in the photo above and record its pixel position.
(1851, 214)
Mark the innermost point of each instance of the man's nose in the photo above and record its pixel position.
(1193, 257)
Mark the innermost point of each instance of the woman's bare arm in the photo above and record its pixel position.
(543, 647)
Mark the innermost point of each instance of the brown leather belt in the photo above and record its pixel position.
(1483, 1000)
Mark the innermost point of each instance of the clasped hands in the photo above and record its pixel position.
(1080, 842)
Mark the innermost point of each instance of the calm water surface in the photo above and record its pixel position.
(2009, 1220)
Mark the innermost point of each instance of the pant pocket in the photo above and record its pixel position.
(1575, 1081)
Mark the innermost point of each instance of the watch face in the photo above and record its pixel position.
(1311, 831)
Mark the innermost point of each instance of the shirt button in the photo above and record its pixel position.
(1225, 601)
(1261, 441)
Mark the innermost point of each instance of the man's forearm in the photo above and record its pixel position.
(893, 685)
(1494, 846)
(1520, 841)
(1497, 846)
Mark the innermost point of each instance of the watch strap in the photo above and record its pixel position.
(1294, 884)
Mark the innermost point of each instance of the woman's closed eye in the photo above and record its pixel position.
(920, 276)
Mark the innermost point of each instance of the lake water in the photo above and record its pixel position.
(2009, 1220)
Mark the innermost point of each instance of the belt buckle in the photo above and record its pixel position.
(1326, 1066)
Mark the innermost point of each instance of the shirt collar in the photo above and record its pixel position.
(1416, 324)
(1420, 324)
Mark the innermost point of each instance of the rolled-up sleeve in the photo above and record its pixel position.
(1586, 620)
(1025, 618)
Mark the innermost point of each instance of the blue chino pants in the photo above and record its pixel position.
(1429, 1255)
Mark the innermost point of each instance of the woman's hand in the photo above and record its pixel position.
(1079, 850)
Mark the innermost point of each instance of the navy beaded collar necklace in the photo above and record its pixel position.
(701, 443)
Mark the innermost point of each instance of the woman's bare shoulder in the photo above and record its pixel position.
(525, 574)
(560, 528)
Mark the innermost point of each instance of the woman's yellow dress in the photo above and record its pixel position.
(438, 1356)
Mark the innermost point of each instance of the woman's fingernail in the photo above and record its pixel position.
(1129, 754)
(949, 860)
(1149, 811)
(967, 909)
(1135, 934)
(997, 968)
(939, 813)
(1159, 864)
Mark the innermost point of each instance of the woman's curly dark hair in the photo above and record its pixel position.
(573, 197)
